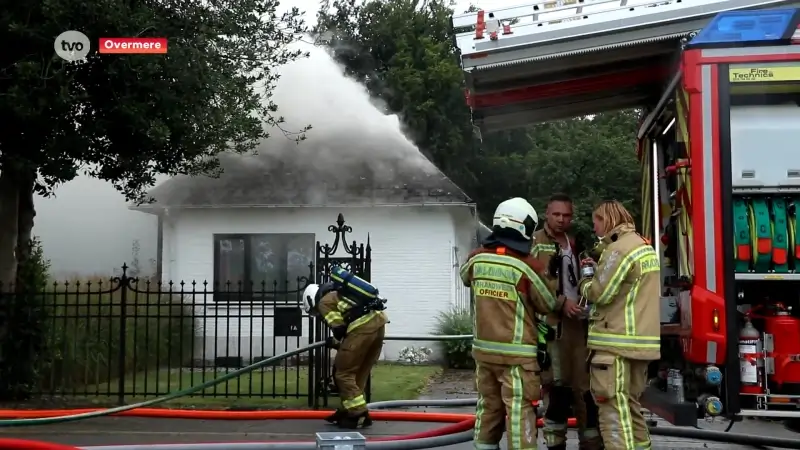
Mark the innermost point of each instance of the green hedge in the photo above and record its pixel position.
(456, 321)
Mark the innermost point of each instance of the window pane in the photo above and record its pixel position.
(231, 263)
(268, 261)
(300, 249)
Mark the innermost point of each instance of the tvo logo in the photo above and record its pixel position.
(72, 46)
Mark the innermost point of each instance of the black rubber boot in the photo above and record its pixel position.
(367, 421)
(354, 422)
(558, 447)
(336, 416)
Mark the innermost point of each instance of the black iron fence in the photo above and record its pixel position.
(131, 338)
(128, 338)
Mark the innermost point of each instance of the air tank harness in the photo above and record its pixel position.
(765, 234)
(363, 293)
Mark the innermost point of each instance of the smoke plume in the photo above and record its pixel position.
(347, 127)
(353, 153)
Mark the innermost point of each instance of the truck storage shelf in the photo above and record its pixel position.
(770, 413)
(785, 190)
(768, 276)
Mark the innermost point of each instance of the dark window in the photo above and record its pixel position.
(262, 267)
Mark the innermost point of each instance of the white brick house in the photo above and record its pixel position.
(260, 221)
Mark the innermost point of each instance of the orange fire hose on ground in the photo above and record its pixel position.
(159, 413)
(24, 444)
(459, 423)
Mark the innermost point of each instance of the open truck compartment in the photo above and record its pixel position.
(719, 86)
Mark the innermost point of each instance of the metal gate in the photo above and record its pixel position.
(355, 257)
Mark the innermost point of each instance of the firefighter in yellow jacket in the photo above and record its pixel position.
(508, 292)
(358, 332)
(624, 325)
(567, 378)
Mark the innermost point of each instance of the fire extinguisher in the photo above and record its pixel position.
(749, 359)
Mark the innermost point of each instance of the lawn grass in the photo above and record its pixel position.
(276, 387)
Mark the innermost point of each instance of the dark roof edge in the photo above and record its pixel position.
(156, 209)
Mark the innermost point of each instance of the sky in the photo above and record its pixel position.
(86, 228)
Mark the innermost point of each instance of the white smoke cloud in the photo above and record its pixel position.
(347, 126)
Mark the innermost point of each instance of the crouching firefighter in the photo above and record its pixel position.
(508, 292)
(564, 335)
(352, 309)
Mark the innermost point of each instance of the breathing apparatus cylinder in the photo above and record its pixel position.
(357, 289)
(750, 359)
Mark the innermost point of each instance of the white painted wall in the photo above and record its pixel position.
(466, 240)
(415, 251)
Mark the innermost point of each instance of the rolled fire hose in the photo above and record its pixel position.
(765, 238)
(760, 234)
(741, 236)
(780, 238)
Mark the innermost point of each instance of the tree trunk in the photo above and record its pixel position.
(9, 226)
(25, 214)
(21, 321)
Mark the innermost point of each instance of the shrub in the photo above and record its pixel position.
(456, 321)
(23, 316)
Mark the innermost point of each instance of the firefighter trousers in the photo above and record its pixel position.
(569, 385)
(506, 391)
(356, 356)
(617, 385)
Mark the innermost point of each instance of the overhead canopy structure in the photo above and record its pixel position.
(557, 59)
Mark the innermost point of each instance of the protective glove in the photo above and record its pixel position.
(543, 357)
(596, 251)
(331, 342)
(339, 332)
(546, 332)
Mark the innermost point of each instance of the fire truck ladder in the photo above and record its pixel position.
(557, 59)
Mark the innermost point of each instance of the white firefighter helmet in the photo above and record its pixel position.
(309, 297)
(518, 215)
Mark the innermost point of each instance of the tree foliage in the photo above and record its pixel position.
(127, 118)
(402, 50)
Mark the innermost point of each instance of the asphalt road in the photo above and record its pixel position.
(131, 430)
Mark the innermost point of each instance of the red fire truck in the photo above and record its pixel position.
(719, 86)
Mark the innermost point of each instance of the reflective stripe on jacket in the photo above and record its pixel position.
(508, 291)
(625, 319)
(333, 308)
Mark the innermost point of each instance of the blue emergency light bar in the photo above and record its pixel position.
(748, 29)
